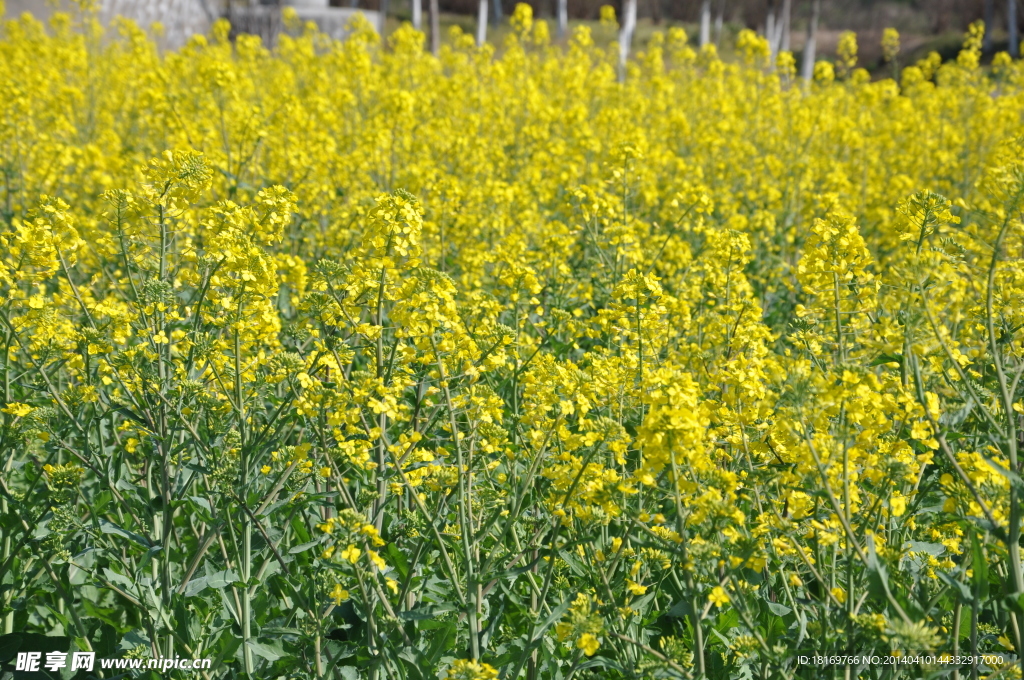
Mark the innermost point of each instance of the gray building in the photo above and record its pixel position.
(183, 18)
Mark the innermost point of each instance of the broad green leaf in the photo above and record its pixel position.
(271, 651)
(109, 527)
(303, 547)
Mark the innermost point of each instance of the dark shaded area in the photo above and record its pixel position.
(13, 643)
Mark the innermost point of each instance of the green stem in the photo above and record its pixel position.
(1014, 530)
(246, 561)
(5, 604)
(472, 586)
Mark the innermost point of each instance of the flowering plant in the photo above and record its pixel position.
(344, 360)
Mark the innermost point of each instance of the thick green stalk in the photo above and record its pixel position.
(1014, 530)
(4, 509)
(957, 612)
(382, 485)
(695, 618)
(472, 587)
(246, 561)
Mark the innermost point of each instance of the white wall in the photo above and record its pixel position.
(180, 18)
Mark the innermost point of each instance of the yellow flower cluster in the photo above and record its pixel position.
(500, 350)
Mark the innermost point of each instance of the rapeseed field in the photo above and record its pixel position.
(342, 360)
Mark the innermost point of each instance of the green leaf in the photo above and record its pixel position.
(125, 485)
(80, 565)
(221, 579)
(574, 564)
(442, 640)
(278, 630)
(727, 620)
(421, 613)
(133, 639)
(878, 577)
(195, 586)
(274, 506)
(120, 580)
(556, 613)
(600, 663)
(680, 609)
(724, 640)
(32, 642)
(640, 603)
(323, 498)
(9, 646)
(60, 617)
(933, 549)
(144, 562)
(980, 566)
(426, 611)
(109, 527)
(398, 559)
(1015, 602)
(959, 588)
(108, 615)
(202, 502)
(270, 651)
(130, 414)
(303, 548)
(778, 609)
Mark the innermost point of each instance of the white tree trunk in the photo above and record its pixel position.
(481, 23)
(626, 35)
(989, 14)
(417, 14)
(719, 19)
(1011, 25)
(787, 11)
(563, 18)
(705, 22)
(435, 28)
(769, 29)
(812, 37)
(383, 18)
(775, 36)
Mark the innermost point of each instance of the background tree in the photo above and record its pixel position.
(1011, 24)
(719, 18)
(705, 22)
(435, 28)
(787, 12)
(812, 37)
(626, 35)
(989, 18)
(481, 23)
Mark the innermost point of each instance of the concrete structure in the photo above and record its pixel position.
(183, 18)
(265, 20)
